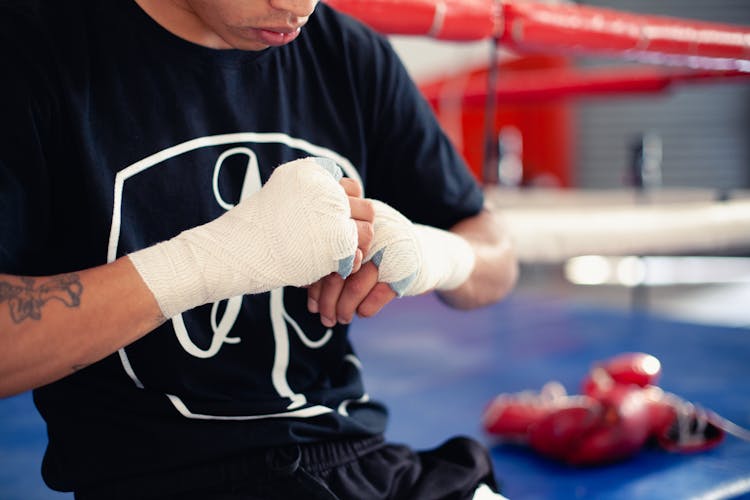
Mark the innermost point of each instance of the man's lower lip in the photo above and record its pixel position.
(275, 38)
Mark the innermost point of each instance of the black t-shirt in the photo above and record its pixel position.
(115, 134)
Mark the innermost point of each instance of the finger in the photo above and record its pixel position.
(363, 213)
(351, 187)
(362, 209)
(330, 290)
(378, 297)
(356, 288)
(313, 295)
(358, 257)
(365, 235)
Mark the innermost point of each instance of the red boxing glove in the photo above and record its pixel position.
(509, 416)
(578, 430)
(680, 426)
(614, 428)
(676, 425)
(628, 368)
(620, 411)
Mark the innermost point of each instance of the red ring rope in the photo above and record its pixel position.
(532, 26)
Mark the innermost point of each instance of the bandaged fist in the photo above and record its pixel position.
(296, 229)
(412, 258)
(304, 214)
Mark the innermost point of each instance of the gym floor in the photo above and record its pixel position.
(437, 368)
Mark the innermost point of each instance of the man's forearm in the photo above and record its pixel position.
(495, 270)
(53, 326)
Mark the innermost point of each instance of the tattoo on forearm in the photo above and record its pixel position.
(26, 300)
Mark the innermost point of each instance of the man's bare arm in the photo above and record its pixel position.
(52, 326)
(496, 268)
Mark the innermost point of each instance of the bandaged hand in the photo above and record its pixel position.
(412, 258)
(296, 229)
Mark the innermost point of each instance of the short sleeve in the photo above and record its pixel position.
(24, 180)
(413, 166)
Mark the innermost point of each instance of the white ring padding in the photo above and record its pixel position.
(552, 233)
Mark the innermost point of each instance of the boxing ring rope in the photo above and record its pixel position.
(457, 20)
(545, 233)
(545, 84)
(571, 224)
(574, 29)
(562, 28)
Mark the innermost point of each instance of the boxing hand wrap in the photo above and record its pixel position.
(413, 258)
(296, 229)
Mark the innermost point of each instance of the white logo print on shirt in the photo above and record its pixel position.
(222, 326)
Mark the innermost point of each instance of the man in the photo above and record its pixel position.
(179, 303)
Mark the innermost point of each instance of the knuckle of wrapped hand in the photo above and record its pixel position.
(368, 210)
(367, 232)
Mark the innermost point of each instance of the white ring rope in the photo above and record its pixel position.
(551, 233)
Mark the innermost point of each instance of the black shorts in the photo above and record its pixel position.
(361, 470)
